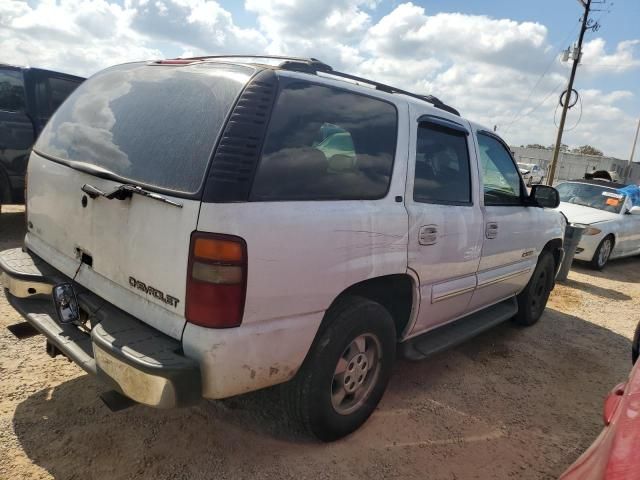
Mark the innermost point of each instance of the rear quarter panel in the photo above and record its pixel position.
(301, 256)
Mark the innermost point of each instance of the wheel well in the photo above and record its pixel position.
(554, 247)
(393, 292)
(613, 237)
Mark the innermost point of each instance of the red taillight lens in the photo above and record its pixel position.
(216, 280)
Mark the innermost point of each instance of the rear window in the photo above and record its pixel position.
(154, 125)
(326, 143)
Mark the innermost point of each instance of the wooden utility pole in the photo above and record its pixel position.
(576, 60)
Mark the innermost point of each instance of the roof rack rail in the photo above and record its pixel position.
(435, 101)
(288, 63)
(315, 66)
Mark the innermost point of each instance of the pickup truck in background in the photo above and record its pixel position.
(28, 98)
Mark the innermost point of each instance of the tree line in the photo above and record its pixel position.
(583, 150)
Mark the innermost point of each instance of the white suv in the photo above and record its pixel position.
(223, 224)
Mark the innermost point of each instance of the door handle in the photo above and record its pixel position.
(428, 235)
(491, 230)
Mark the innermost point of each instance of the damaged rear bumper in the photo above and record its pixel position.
(128, 355)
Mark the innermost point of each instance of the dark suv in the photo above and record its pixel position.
(28, 98)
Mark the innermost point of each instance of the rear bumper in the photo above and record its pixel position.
(128, 355)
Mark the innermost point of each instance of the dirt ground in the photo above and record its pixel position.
(512, 403)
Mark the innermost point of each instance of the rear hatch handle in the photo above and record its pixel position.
(125, 191)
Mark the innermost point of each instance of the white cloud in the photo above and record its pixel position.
(485, 67)
(83, 36)
(73, 36)
(596, 59)
(408, 32)
(200, 25)
(328, 29)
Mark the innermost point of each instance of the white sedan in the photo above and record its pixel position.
(607, 211)
(531, 173)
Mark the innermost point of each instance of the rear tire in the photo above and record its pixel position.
(533, 299)
(603, 252)
(346, 371)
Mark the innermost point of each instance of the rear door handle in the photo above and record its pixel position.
(428, 235)
(491, 230)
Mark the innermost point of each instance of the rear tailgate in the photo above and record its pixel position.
(149, 125)
(138, 246)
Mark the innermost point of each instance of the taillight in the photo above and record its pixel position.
(216, 280)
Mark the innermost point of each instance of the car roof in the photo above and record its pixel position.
(311, 66)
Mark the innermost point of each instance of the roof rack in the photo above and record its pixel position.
(435, 101)
(315, 66)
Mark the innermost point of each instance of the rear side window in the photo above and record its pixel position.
(11, 90)
(442, 166)
(326, 143)
(152, 125)
(51, 92)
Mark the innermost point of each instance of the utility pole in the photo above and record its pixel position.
(576, 59)
(633, 151)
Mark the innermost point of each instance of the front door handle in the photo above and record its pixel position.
(428, 235)
(491, 230)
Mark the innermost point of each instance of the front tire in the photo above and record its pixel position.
(603, 252)
(346, 372)
(533, 299)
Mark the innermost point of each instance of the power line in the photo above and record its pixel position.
(577, 121)
(577, 53)
(517, 116)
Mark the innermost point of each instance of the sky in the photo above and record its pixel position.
(497, 61)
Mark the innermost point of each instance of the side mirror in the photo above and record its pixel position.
(544, 196)
(635, 210)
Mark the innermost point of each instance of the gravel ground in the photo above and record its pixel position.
(512, 403)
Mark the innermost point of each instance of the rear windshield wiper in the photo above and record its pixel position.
(125, 191)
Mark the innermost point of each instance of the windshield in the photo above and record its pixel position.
(594, 196)
(148, 124)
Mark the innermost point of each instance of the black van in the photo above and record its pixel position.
(28, 98)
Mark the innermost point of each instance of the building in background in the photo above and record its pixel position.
(572, 166)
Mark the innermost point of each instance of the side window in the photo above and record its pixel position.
(11, 90)
(326, 143)
(442, 166)
(501, 179)
(60, 89)
(51, 92)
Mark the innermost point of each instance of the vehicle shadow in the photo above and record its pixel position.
(596, 290)
(622, 270)
(531, 396)
(12, 227)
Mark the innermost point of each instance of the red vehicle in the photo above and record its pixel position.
(615, 454)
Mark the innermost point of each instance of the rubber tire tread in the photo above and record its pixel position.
(300, 396)
(594, 261)
(524, 316)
